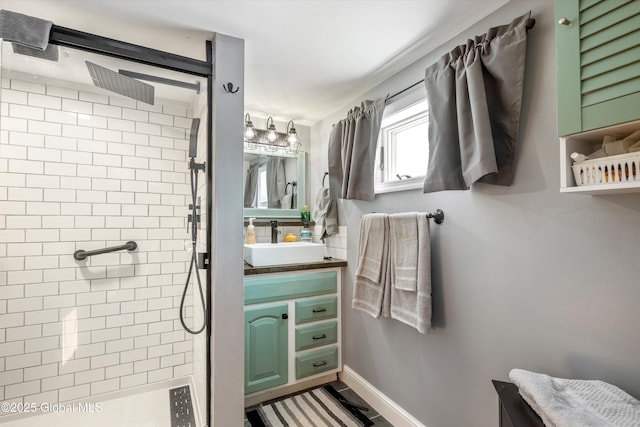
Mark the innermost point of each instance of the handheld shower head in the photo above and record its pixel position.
(193, 138)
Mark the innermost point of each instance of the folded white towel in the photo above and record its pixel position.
(412, 306)
(576, 403)
(372, 264)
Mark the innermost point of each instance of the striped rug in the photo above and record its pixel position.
(320, 407)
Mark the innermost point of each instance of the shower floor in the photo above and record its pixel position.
(145, 409)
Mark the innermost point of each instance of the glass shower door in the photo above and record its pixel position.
(96, 152)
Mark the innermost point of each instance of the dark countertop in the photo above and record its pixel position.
(327, 263)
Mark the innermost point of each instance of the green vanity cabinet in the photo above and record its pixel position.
(292, 331)
(598, 63)
(266, 346)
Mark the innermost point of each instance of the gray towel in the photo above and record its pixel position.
(325, 213)
(50, 53)
(405, 303)
(24, 30)
(403, 232)
(372, 264)
(576, 403)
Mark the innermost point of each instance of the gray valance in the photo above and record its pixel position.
(352, 152)
(474, 95)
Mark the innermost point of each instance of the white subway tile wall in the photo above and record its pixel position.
(83, 170)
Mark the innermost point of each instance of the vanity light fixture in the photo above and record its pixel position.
(270, 139)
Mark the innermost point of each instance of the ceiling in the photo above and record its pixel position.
(304, 59)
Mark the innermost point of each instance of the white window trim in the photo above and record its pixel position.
(408, 99)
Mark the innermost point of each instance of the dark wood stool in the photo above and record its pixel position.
(514, 410)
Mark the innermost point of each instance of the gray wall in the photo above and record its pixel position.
(227, 305)
(523, 276)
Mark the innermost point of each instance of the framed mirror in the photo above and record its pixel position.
(274, 183)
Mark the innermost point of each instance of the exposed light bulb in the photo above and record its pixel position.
(292, 139)
(249, 132)
(292, 135)
(272, 136)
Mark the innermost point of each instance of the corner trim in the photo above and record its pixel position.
(378, 400)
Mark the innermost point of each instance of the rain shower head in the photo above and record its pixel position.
(115, 82)
(193, 138)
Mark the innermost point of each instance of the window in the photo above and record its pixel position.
(403, 144)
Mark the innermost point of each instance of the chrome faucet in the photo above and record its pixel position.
(274, 231)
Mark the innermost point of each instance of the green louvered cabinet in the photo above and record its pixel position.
(598, 63)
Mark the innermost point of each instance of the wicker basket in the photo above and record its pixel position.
(608, 170)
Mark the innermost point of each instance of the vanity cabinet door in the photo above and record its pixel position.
(265, 346)
(598, 63)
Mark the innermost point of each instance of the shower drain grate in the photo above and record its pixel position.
(181, 407)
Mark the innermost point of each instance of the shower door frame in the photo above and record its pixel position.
(80, 40)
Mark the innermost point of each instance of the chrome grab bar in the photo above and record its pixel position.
(81, 254)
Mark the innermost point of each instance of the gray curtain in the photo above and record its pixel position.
(276, 182)
(352, 152)
(251, 186)
(474, 94)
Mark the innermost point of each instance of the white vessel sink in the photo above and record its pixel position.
(265, 254)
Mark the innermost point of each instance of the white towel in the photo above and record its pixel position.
(410, 303)
(372, 264)
(576, 403)
(286, 201)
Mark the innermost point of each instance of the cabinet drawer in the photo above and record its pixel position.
(275, 288)
(316, 335)
(316, 362)
(316, 309)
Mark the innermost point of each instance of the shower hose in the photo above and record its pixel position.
(194, 256)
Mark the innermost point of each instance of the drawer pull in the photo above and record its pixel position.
(319, 310)
(318, 364)
(320, 337)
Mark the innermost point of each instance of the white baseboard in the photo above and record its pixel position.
(378, 400)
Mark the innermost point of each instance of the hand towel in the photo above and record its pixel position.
(325, 213)
(576, 403)
(24, 30)
(403, 233)
(374, 235)
(372, 264)
(413, 307)
(286, 201)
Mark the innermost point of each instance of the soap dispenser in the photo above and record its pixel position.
(251, 233)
